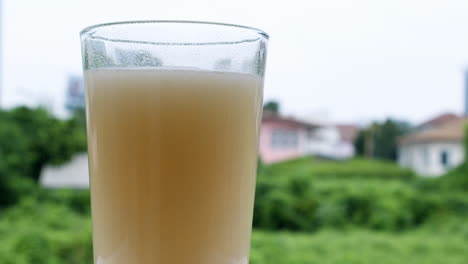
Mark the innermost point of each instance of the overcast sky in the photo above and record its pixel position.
(346, 60)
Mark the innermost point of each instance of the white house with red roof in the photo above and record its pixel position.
(435, 147)
(283, 138)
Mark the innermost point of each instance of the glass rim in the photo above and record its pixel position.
(86, 30)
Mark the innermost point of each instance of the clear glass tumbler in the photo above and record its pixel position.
(173, 114)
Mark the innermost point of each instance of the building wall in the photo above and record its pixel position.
(326, 141)
(426, 158)
(269, 153)
(73, 174)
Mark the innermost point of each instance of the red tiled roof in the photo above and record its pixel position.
(270, 116)
(453, 130)
(439, 120)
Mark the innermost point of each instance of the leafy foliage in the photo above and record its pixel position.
(379, 140)
(308, 195)
(44, 233)
(30, 139)
(359, 247)
(272, 106)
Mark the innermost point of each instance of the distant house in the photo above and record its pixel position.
(283, 138)
(437, 121)
(333, 141)
(435, 147)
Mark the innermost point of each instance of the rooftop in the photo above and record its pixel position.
(453, 130)
(270, 116)
(438, 121)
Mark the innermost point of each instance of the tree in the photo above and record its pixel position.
(272, 106)
(14, 154)
(379, 140)
(32, 138)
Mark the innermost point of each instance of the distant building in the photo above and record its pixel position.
(437, 121)
(284, 138)
(437, 144)
(75, 97)
(333, 141)
(73, 174)
(435, 147)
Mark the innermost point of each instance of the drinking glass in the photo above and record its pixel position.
(173, 114)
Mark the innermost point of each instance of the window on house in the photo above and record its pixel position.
(284, 139)
(445, 158)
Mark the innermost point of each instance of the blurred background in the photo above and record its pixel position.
(363, 139)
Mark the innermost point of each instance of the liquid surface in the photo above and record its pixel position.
(173, 160)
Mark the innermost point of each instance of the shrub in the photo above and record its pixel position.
(355, 168)
(44, 233)
(307, 195)
(358, 247)
(78, 200)
(31, 138)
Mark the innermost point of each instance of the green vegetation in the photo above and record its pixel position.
(359, 247)
(350, 169)
(346, 217)
(272, 106)
(306, 211)
(30, 139)
(51, 229)
(380, 139)
(50, 232)
(309, 195)
(45, 230)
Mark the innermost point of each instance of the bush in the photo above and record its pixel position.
(456, 179)
(358, 247)
(31, 138)
(78, 200)
(355, 168)
(44, 233)
(308, 195)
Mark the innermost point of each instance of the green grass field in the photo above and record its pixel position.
(359, 247)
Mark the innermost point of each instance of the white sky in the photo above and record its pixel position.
(348, 60)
